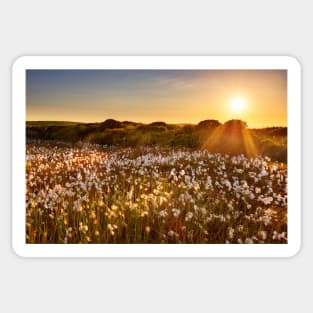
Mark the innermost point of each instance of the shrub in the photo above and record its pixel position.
(111, 124)
(208, 125)
(273, 150)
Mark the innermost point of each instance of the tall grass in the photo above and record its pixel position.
(229, 137)
(88, 194)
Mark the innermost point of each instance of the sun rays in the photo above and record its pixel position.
(232, 137)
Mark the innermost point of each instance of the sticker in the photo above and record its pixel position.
(156, 156)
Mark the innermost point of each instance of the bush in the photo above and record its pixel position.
(188, 140)
(111, 124)
(208, 125)
(273, 150)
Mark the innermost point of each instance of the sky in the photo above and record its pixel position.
(258, 97)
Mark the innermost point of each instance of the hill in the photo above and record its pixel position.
(233, 137)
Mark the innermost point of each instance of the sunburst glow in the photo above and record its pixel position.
(238, 104)
(173, 96)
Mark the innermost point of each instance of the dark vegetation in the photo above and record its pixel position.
(232, 137)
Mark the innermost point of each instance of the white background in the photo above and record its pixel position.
(163, 28)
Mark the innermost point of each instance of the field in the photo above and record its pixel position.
(89, 193)
(232, 137)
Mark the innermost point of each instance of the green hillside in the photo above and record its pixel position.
(232, 137)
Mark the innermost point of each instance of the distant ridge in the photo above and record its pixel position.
(233, 137)
(204, 123)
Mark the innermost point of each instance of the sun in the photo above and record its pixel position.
(238, 104)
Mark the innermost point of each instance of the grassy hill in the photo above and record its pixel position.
(232, 137)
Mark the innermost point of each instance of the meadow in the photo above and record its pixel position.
(232, 137)
(89, 191)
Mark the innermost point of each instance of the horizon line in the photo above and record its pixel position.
(145, 122)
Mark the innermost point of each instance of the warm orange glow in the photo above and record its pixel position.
(258, 97)
(232, 138)
(237, 104)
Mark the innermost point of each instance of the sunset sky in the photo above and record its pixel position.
(258, 97)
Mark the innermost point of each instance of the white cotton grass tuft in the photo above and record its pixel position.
(91, 194)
